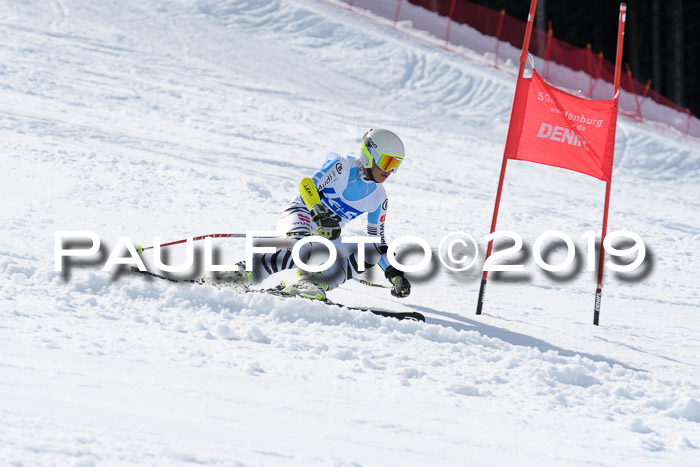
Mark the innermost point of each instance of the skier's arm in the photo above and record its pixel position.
(328, 224)
(309, 186)
(309, 193)
(375, 227)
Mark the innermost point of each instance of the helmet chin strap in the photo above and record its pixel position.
(368, 173)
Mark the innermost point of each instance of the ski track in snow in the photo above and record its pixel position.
(146, 119)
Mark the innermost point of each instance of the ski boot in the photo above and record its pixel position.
(310, 285)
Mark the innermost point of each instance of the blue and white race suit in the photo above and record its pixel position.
(348, 193)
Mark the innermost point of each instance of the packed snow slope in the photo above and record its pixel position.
(146, 119)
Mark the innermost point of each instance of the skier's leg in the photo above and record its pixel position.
(347, 265)
(267, 264)
(315, 285)
(295, 221)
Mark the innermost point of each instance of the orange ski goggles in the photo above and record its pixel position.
(386, 162)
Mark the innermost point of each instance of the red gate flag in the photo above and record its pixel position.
(552, 127)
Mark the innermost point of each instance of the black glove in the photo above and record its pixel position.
(328, 223)
(402, 288)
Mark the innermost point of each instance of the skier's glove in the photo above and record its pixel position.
(328, 223)
(402, 288)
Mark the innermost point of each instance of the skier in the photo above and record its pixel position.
(344, 188)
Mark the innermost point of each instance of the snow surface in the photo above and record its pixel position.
(174, 119)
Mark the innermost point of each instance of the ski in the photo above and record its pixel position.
(277, 292)
(400, 315)
(165, 278)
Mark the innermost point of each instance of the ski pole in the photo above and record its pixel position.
(194, 239)
(152, 274)
(370, 284)
(141, 249)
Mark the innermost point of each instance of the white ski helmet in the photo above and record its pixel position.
(382, 148)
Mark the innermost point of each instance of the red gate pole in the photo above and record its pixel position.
(498, 36)
(396, 15)
(523, 59)
(616, 98)
(687, 128)
(449, 23)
